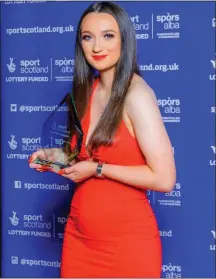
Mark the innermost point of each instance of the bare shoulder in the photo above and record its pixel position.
(140, 93)
(140, 106)
(137, 81)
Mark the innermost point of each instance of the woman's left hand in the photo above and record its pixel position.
(79, 171)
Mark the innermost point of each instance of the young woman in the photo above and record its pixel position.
(111, 230)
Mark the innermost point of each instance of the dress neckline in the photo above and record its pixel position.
(88, 121)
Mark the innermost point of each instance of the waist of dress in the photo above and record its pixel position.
(109, 189)
(111, 208)
(97, 196)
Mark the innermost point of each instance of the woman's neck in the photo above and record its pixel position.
(106, 80)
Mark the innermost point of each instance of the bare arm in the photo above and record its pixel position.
(159, 174)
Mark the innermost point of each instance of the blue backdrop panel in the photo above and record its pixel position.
(176, 57)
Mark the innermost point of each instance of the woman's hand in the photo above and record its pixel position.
(79, 171)
(40, 154)
(51, 154)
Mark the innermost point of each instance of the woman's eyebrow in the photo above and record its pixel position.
(104, 31)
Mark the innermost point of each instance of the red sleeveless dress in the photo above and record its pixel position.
(111, 230)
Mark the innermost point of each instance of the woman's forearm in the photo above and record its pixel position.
(141, 177)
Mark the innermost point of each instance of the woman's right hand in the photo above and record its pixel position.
(40, 154)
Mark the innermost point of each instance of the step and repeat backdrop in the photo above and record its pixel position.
(176, 56)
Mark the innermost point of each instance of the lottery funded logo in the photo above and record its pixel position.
(168, 26)
(13, 144)
(141, 27)
(64, 69)
(33, 70)
(25, 146)
(171, 271)
(29, 225)
(170, 109)
(172, 198)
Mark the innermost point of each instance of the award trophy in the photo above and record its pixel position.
(57, 132)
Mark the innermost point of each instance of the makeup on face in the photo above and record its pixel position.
(99, 57)
(101, 40)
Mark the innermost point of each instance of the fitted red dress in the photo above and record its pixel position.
(111, 229)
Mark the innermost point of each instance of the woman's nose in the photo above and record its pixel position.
(97, 47)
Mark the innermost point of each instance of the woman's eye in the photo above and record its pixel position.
(86, 37)
(109, 35)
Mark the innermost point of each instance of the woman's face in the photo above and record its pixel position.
(101, 40)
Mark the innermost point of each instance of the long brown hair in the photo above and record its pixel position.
(126, 67)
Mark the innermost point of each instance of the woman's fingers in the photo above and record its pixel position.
(34, 166)
(69, 170)
(37, 154)
(43, 169)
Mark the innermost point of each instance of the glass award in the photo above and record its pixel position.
(57, 132)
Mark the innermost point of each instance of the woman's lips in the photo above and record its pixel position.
(99, 57)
